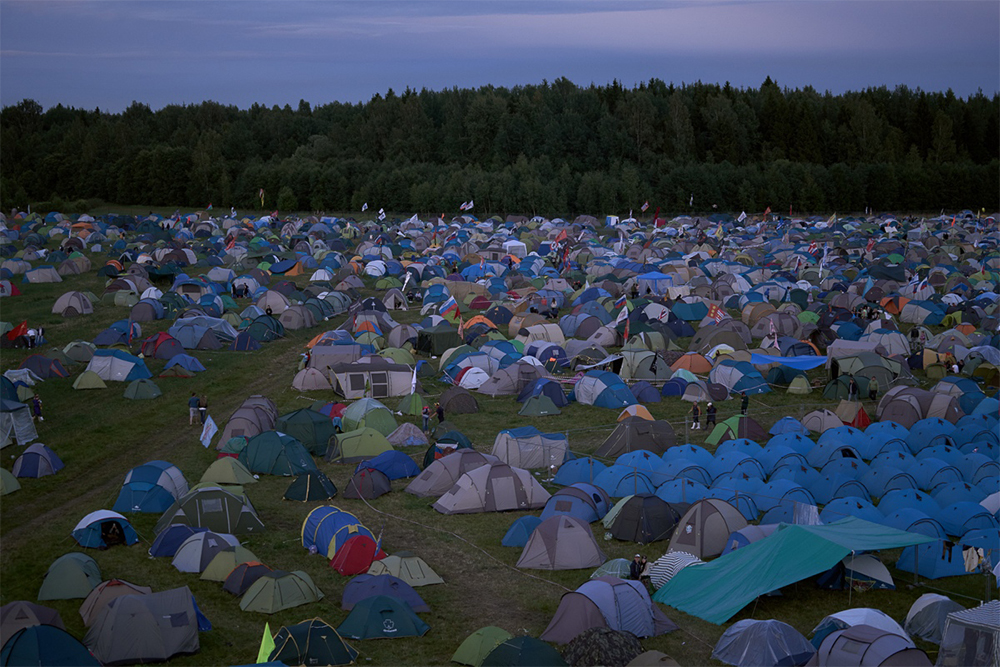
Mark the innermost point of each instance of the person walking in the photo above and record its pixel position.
(192, 408)
(203, 407)
(873, 390)
(852, 389)
(744, 402)
(710, 414)
(440, 413)
(696, 417)
(36, 408)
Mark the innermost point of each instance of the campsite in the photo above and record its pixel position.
(850, 362)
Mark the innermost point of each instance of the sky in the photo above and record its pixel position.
(108, 53)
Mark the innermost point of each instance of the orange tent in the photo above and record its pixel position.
(694, 362)
(894, 304)
(635, 411)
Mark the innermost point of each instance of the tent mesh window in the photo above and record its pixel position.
(211, 505)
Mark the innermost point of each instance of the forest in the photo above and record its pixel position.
(555, 149)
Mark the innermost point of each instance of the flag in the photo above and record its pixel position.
(364, 207)
(208, 431)
(952, 221)
(868, 285)
(381, 214)
(743, 216)
(812, 248)
(871, 244)
(413, 382)
(716, 313)
(209, 206)
(448, 306)
(622, 316)
(626, 331)
(770, 326)
(261, 195)
(461, 325)
(718, 232)
(561, 236)
(620, 301)
(266, 645)
(767, 212)
(691, 201)
(644, 207)
(471, 204)
(20, 330)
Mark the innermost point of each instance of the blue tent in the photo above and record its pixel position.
(794, 441)
(933, 561)
(186, 362)
(327, 528)
(584, 501)
(681, 490)
(619, 481)
(171, 537)
(788, 425)
(368, 585)
(96, 527)
(393, 464)
(959, 518)
(519, 532)
(689, 452)
(685, 469)
(583, 469)
(45, 645)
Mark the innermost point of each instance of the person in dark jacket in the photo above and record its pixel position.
(710, 414)
(744, 403)
(635, 568)
(440, 413)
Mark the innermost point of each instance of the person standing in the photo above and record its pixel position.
(440, 413)
(852, 389)
(426, 414)
(873, 390)
(203, 407)
(744, 402)
(192, 408)
(696, 417)
(635, 568)
(710, 414)
(36, 408)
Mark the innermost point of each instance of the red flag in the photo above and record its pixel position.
(626, 332)
(20, 330)
(871, 244)
(952, 221)
(767, 212)
(232, 242)
(716, 313)
(561, 236)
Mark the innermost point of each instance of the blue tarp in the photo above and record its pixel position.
(802, 363)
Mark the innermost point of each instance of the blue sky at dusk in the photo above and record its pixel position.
(106, 54)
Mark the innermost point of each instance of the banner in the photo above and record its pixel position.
(208, 431)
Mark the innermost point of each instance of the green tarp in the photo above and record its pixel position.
(716, 591)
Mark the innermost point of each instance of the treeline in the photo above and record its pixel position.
(553, 149)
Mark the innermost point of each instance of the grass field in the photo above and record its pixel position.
(100, 435)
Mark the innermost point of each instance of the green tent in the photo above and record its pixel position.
(539, 406)
(228, 470)
(310, 486)
(799, 385)
(274, 453)
(214, 508)
(357, 445)
(382, 617)
(717, 590)
(225, 561)
(478, 645)
(309, 427)
(142, 390)
(278, 590)
(368, 412)
(70, 576)
(411, 404)
(8, 483)
(313, 642)
(45, 645)
(523, 650)
(737, 426)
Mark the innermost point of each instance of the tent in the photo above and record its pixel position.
(367, 483)
(645, 518)
(326, 529)
(619, 604)
(276, 453)
(527, 447)
(865, 645)
(70, 576)
(477, 646)
(145, 628)
(197, 551)
(310, 486)
(496, 487)
(213, 508)
(45, 645)
(118, 366)
(37, 461)
(104, 593)
(21, 614)
(715, 593)
(561, 542)
(406, 566)
(16, 424)
(749, 643)
(278, 590)
(242, 577)
(309, 427)
(367, 585)
(393, 464)
(928, 616)
(523, 650)
(972, 637)
(602, 646)
(705, 528)
(312, 642)
(357, 445)
(104, 528)
(636, 433)
(382, 617)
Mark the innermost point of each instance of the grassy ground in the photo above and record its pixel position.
(100, 435)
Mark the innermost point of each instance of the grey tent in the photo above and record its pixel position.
(634, 433)
(972, 637)
(561, 542)
(749, 643)
(16, 424)
(22, 614)
(197, 551)
(867, 645)
(496, 487)
(70, 576)
(145, 628)
(928, 615)
(214, 508)
(442, 474)
(705, 528)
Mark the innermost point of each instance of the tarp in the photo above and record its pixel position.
(716, 591)
(803, 363)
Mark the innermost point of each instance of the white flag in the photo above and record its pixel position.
(691, 201)
(364, 207)
(622, 316)
(413, 382)
(381, 214)
(644, 207)
(208, 431)
(471, 204)
(743, 216)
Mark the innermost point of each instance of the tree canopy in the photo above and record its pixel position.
(555, 148)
